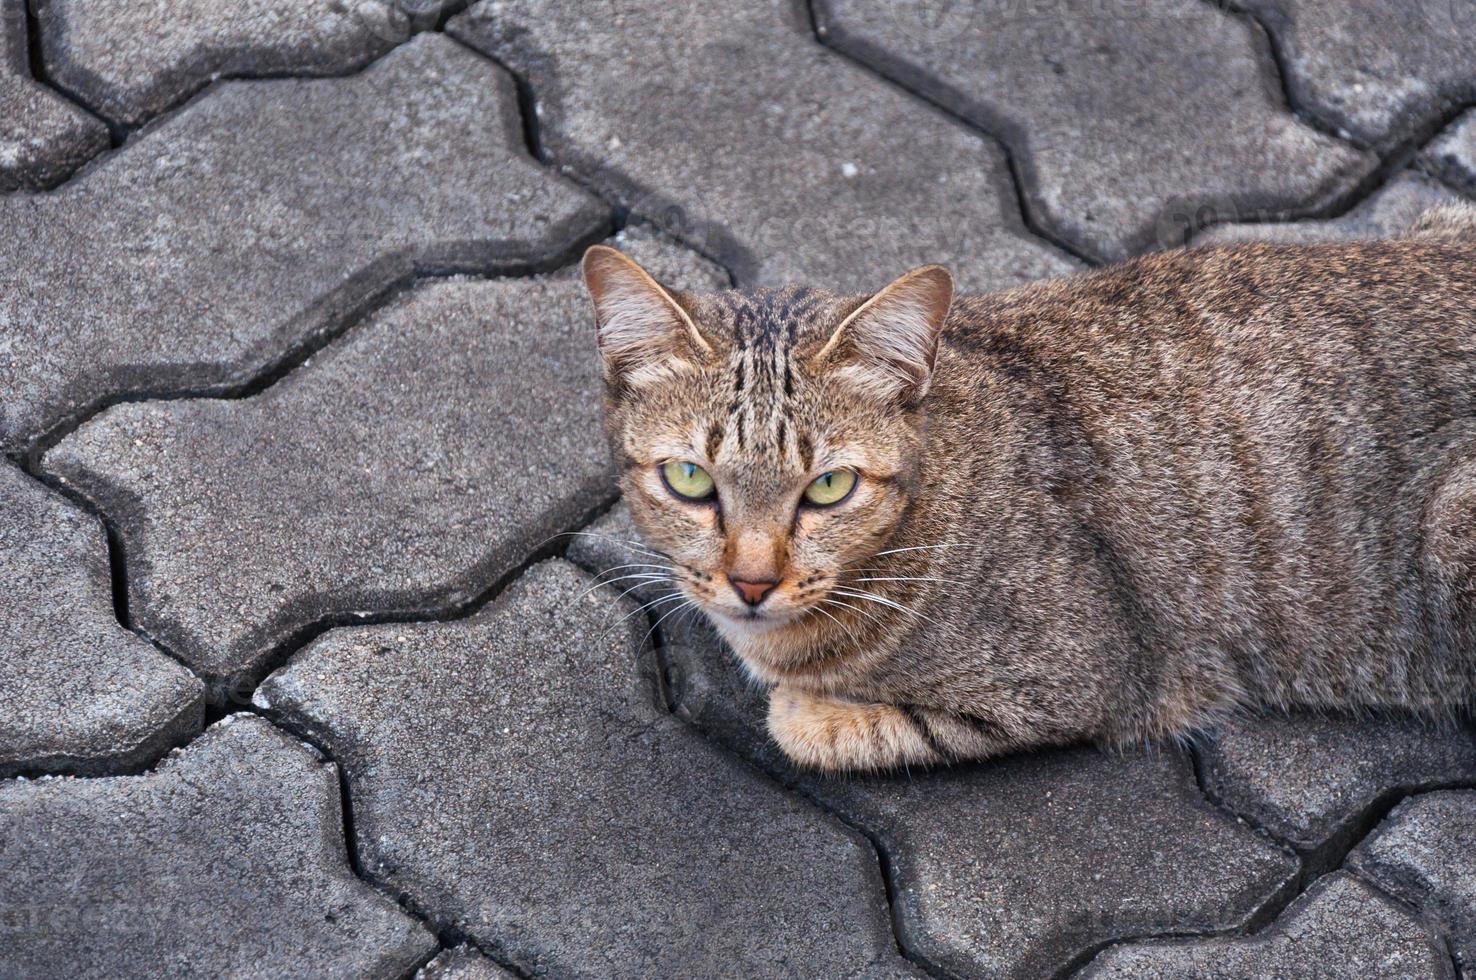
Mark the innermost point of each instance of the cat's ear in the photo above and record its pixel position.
(888, 345)
(644, 334)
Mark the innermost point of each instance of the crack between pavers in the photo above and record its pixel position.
(616, 192)
(1419, 913)
(1287, 80)
(1031, 222)
(667, 702)
(1392, 159)
(121, 134)
(36, 64)
(879, 850)
(447, 934)
(1262, 915)
(296, 354)
(29, 461)
(1405, 155)
(1393, 155)
(1331, 855)
(1332, 851)
(1436, 930)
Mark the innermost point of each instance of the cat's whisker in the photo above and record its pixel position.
(922, 547)
(635, 564)
(635, 588)
(871, 596)
(664, 617)
(643, 607)
(850, 633)
(871, 615)
(907, 578)
(644, 576)
(625, 542)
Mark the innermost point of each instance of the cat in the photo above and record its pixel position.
(1113, 507)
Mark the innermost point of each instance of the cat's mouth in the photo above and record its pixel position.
(752, 619)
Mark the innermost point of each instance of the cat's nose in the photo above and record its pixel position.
(752, 592)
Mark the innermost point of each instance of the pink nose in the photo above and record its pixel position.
(752, 592)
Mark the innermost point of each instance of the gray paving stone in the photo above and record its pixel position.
(131, 61)
(462, 963)
(1016, 867)
(1127, 120)
(784, 161)
(259, 217)
(43, 137)
(1387, 213)
(1377, 71)
(1309, 780)
(404, 469)
(1453, 153)
(514, 774)
(1340, 928)
(228, 860)
(1422, 854)
(77, 690)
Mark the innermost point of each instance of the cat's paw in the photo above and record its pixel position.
(831, 734)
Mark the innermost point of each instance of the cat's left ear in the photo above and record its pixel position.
(889, 344)
(644, 334)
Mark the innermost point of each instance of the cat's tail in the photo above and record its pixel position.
(1445, 223)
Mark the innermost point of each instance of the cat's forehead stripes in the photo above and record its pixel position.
(764, 327)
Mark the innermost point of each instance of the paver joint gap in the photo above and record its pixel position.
(877, 846)
(1028, 218)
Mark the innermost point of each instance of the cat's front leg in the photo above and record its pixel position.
(829, 733)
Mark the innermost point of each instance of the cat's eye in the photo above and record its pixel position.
(830, 488)
(687, 480)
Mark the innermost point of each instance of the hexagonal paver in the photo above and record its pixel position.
(513, 774)
(1309, 780)
(405, 468)
(1386, 214)
(131, 61)
(260, 217)
(43, 137)
(462, 963)
(1016, 867)
(1340, 928)
(77, 690)
(1422, 853)
(778, 157)
(1377, 71)
(227, 861)
(1453, 153)
(1126, 120)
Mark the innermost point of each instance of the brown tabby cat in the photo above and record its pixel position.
(1111, 507)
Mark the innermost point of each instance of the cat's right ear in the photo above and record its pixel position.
(888, 345)
(644, 334)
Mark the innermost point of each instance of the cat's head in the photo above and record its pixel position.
(767, 442)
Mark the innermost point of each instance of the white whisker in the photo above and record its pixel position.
(922, 547)
(644, 576)
(850, 633)
(626, 542)
(642, 608)
(664, 617)
(858, 594)
(635, 564)
(871, 614)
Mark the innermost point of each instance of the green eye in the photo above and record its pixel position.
(687, 480)
(830, 488)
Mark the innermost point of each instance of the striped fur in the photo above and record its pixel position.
(1121, 506)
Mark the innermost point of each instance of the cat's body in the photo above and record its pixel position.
(1118, 505)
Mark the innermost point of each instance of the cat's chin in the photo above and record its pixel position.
(764, 636)
(747, 625)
